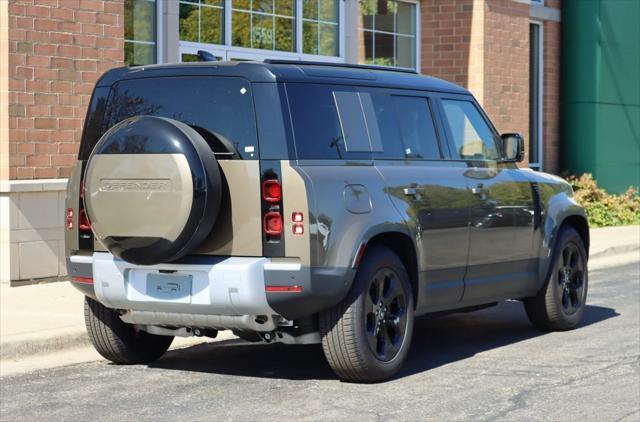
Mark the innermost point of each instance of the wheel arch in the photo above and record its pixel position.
(580, 224)
(403, 246)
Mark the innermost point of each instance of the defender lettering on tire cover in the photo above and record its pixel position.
(152, 190)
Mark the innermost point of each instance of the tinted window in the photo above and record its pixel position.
(416, 127)
(219, 105)
(352, 123)
(317, 127)
(472, 136)
(387, 124)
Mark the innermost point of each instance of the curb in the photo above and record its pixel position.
(73, 339)
(615, 250)
(28, 347)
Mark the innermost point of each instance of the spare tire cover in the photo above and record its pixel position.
(152, 190)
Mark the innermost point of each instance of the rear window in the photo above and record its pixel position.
(220, 106)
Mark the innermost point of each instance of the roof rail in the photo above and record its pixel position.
(346, 65)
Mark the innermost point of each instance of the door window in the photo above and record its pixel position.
(417, 132)
(472, 137)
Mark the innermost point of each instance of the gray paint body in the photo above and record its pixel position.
(481, 231)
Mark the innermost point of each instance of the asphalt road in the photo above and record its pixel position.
(487, 365)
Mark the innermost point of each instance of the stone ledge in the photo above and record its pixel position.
(34, 185)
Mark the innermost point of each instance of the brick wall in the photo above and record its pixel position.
(483, 45)
(506, 70)
(551, 103)
(446, 27)
(57, 51)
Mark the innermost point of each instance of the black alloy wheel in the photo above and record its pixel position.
(385, 314)
(561, 302)
(366, 337)
(570, 279)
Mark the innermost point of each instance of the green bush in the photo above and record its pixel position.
(604, 209)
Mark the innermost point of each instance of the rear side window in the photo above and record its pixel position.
(337, 122)
(328, 122)
(221, 106)
(472, 137)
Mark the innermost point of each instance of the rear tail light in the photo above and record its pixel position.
(297, 217)
(83, 221)
(290, 289)
(272, 223)
(85, 280)
(298, 229)
(271, 191)
(69, 219)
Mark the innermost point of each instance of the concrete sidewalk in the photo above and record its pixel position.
(44, 318)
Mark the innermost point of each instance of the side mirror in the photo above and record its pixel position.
(512, 147)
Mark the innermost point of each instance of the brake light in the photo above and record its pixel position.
(290, 289)
(69, 219)
(84, 280)
(272, 223)
(298, 229)
(297, 217)
(83, 221)
(271, 191)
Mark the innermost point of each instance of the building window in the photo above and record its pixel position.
(389, 29)
(535, 95)
(139, 32)
(237, 29)
(263, 24)
(202, 21)
(320, 27)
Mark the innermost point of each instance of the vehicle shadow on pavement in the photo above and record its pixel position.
(436, 342)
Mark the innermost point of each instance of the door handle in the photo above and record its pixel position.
(413, 192)
(479, 191)
(410, 191)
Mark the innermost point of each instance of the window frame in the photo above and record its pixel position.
(539, 144)
(453, 155)
(227, 51)
(157, 36)
(418, 41)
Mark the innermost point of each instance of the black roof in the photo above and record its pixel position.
(289, 71)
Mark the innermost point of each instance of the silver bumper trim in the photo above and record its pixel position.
(222, 288)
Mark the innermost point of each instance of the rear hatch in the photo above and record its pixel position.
(220, 105)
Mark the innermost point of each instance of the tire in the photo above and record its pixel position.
(118, 341)
(356, 349)
(560, 303)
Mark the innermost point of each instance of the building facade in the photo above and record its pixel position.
(507, 52)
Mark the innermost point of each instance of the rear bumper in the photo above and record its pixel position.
(244, 288)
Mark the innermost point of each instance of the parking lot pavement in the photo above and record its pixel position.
(487, 365)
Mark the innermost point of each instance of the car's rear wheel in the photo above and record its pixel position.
(118, 341)
(560, 303)
(366, 337)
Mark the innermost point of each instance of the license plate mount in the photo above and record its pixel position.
(169, 287)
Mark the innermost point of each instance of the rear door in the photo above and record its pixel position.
(428, 189)
(502, 214)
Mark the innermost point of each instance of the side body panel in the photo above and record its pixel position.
(501, 256)
(438, 218)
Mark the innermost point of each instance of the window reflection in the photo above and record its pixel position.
(139, 32)
(389, 28)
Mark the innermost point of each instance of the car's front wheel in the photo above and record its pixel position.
(118, 341)
(560, 303)
(366, 337)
